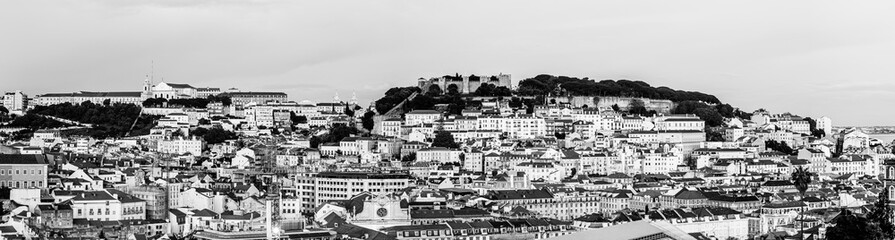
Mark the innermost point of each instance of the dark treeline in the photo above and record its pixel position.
(544, 84)
(112, 120)
(186, 102)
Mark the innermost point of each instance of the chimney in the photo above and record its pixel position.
(115, 195)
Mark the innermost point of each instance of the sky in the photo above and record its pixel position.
(812, 58)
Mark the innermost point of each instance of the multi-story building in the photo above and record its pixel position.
(154, 196)
(337, 186)
(173, 90)
(181, 146)
(419, 117)
(438, 154)
(515, 126)
(23, 171)
(107, 205)
(679, 123)
(55, 215)
(94, 97)
(244, 98)
(391, 127)
(207, 91)
(15, 101)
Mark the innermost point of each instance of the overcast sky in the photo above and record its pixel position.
(814, 58)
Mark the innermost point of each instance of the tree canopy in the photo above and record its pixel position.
(444, 139)
(779, 146)
(544, 84)
(214, 135)
(108, 121)
(393, 97)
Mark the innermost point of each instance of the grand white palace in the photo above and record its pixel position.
(162, 89)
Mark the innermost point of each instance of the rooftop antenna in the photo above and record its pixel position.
(151, 71)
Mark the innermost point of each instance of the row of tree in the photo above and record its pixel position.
(546, 84)
(779, 146)
(186, 102)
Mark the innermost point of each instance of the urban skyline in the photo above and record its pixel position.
(816, 56)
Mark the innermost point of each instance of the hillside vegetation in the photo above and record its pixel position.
(706, 106)
(112, 120)
(544, 84)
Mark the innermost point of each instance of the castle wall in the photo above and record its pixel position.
(624, 103)
(465, 86)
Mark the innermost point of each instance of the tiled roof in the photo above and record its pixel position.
(22, 159)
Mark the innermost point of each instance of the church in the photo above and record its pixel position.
(167, 90)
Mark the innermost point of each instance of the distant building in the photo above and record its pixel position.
(181, 146)
(23, 171)
(15, 101)
(94, 97)
(337, 186)
(244, 98)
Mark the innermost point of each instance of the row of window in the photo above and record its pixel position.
(20, 172)
(22, 184)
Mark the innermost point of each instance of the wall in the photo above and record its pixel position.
(658, 105)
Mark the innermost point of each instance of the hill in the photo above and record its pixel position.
(532, 91)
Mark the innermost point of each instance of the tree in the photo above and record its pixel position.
(409, 157)
(367, 121)
(711, 116)
(485, 90)
(4, 110)
(616, 108)
(349, 111)
(812, 127)
(453, 90)
(713, 136)
(434, 90)
(849, 226)
(559, 135)
(502, 91)
(217, 135)
(298, 119)
(107, 102)
(444, 139)
(881, 215)
(779, 146)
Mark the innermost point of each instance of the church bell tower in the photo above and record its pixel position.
(147, 88)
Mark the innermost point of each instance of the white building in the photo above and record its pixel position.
(181, 145)
(107, 206)
(173, 90)
(826, 124)
(15, 101)
(438, 154)
(417, 117)
(679, 123)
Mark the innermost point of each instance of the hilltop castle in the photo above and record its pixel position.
(465, 84)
